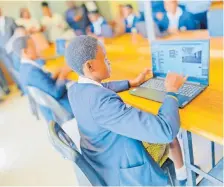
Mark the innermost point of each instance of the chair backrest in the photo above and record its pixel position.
(46, 100)
(141, 28)
(215, 27)
(107, 31)
(86, 175)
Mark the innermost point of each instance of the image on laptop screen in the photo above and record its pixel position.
(189, 58)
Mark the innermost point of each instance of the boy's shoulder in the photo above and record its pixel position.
(89, 91)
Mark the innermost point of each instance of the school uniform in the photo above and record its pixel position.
(112, 133)
(78, 26)
(7, 28)
(32, 74)
(96, 27)
(182, 20)
(130, 23)
(28, 23)
(199, 11)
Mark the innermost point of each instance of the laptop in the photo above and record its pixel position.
(189, 58)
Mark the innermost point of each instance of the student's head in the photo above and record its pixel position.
(24, 13)
(70, 4)
(93, 15)
(171, 6)
(20, 31)
(127, 10)
(87, 56)
(25, 48)
(45, 9)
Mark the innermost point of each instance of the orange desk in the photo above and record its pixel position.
(203, 116)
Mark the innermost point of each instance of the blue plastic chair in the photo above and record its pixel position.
(86, 175)
(60, 115)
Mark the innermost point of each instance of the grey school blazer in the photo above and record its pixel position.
(10, 27)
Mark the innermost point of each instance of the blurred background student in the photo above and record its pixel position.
(130, 19)
(53, 24)
(7, 28)
(199, 10)
(19, 32)
(25, 20)
(175, 19)
(97, 21)
(77, 17)
(33, 74)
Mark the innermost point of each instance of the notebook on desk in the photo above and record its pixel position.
(189, 58)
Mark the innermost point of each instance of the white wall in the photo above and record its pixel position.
(11, 8)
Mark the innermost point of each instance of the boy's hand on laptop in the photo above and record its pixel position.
(142, 77)
(174, 82)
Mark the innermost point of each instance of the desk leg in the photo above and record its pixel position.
(189, 158)
(213, 154)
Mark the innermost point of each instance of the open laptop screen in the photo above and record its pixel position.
(189, 58)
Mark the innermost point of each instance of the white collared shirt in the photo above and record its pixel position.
(85, 80)
(28, 23)
(174, 19)
(97, 26)
(2, 25)
(27, 61)
(55, 26)
(130, 20)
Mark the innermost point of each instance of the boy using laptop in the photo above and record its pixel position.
(33, 74)
(112, 132)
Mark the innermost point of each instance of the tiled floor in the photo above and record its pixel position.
(27, 158)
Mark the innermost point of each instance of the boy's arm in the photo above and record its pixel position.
(48, 85)
(111, 113)
(117, 86)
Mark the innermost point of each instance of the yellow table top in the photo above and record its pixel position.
(203, 116)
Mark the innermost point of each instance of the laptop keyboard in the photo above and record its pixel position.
(157, 84)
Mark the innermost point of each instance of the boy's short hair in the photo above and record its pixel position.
(79, 51)
(44, 4)
(19, 44)
(128, 6)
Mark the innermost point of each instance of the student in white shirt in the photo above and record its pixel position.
(175, 19)
(25, 20)
(130, 18)
(52, 23)
(97, 21)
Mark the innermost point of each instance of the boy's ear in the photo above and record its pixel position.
(89, 66)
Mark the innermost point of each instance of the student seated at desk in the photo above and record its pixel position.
(112, 132)
(130, 18)
(175, 19)
(33, 74)
(97, 21)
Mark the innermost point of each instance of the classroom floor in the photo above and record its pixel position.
(27, 158)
